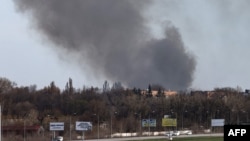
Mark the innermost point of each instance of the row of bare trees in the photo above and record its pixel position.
(119, 109)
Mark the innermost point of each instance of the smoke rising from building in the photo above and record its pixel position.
(112, 39)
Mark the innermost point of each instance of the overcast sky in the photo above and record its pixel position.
(215, 31)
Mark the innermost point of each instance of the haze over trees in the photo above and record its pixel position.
(119, 108)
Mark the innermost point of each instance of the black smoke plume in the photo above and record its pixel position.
(112, 39)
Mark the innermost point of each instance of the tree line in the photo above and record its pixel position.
(120, 109)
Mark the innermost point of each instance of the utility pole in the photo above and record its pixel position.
(111, 125)
(24, 128)
(0, 123)
(70, 128)
(98, 126)
(98, 134)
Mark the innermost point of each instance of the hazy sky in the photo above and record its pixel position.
(215, 31)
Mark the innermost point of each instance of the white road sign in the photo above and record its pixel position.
(56, 126)
(83, 126)
(217, 122)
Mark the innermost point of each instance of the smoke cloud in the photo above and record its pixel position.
(112, 39)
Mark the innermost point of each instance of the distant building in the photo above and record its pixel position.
(165, 93)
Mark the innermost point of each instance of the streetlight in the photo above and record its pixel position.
(97, 125)
(174, 115)
(207, 119)
(54, 118)
(70, 126)
(0, 122)
(111, 124)
(24, 130)
(149, 122)
(24, 127)
(217, 113)
(182, 118)
(246, 115)
(139, 114)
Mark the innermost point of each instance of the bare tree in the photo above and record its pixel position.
(6, 85)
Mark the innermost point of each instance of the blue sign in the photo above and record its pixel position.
(148, 122)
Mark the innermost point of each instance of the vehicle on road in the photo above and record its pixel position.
(58, 138)
(186, 132)
(178, 133)
(172, 133)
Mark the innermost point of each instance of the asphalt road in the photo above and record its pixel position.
(151, 137)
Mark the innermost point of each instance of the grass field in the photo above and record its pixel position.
(190, 139)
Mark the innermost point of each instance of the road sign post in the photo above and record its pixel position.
(83, 126)
(56, 126)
